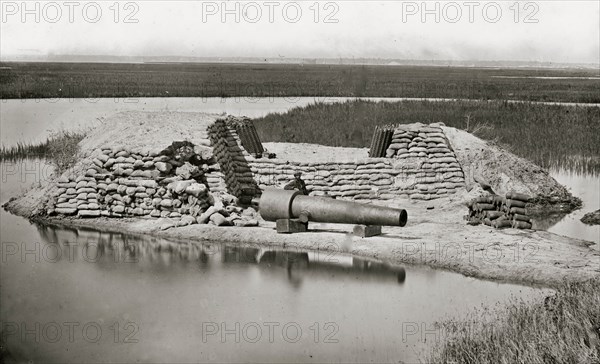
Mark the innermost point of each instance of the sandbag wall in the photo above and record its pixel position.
(406, 160)
(121, 183)
(175, 182)
(178, 181)
(419, 140)
(371, 178)
(232, 159)
(500, 212)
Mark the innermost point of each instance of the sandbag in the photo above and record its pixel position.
(498, 200)
(485, 206)
(484, 199)
(518, 210)
(515, 203)
(501, 223)
(518, 196)
(492, 215)
(519, 217)
(521, 224)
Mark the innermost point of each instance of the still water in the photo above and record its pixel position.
(586, 187)
(75, 295)
(30, 120)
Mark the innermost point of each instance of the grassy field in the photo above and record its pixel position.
(78, 80)
(551, 136)
(565, 328)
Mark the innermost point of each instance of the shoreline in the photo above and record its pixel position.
(121, 173)
(525, 257)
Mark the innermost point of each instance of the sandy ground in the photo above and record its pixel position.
(147, 131)
(303, 152)
(435, 237)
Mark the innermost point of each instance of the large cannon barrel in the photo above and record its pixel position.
(278, 204)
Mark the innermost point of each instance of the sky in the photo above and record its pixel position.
(530, 31)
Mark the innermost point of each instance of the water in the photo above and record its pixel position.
(586, 187)
(31, 120)
(98, 296)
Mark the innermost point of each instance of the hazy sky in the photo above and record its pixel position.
(555, 31)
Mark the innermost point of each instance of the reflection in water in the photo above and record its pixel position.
(157, 254)
(298, 262)
(545, 222)
(169, 290)
(586, 187)
(582, 165)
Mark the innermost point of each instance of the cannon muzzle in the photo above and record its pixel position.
(276, 204)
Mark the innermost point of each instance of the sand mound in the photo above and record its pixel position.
(131, 146)
(145, 132)
(484, 163)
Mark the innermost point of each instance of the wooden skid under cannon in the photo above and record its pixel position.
(292, 211)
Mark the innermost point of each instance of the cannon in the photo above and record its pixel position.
(292, 211)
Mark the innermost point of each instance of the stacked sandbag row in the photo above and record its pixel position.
(428, 179)
(484, 210)
(513, 205)
(216, 181)
(153, 192)
(419, 140)
(120, 183)
(232, 159)
(366, 179)
(382, 137)
(424, 151)
(500, 212)
(246, 131)
(371, 179)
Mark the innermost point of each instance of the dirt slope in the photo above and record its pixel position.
(484, 162)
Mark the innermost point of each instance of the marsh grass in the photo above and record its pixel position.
(551, 136)
(60, 149)
(23, 150)
(563, 328)
(90, 80)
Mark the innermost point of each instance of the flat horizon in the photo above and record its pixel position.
(292, 60)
